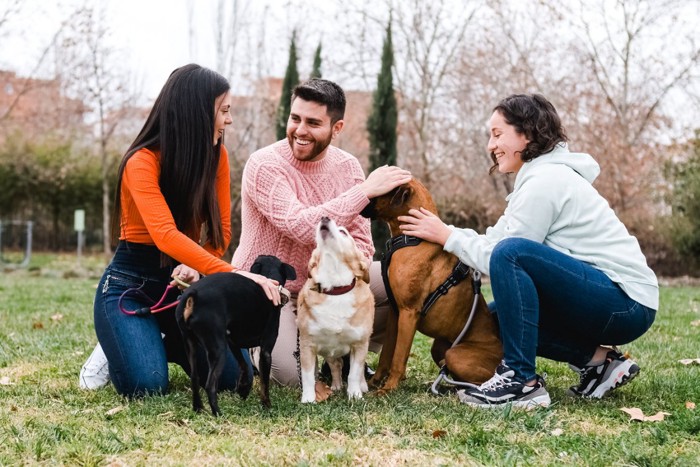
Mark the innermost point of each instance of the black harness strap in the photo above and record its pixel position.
(393, 244)
(459, 273)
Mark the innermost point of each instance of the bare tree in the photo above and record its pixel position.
(8, 10)
(90, 69)
(29, 82)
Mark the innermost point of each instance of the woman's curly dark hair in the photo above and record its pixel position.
(535, 117)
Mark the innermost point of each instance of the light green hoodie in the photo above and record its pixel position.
(553, 202)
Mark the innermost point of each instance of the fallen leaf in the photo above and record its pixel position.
(439, 433)
(690, 405)
(689, 361)
(38, 325)
(695, 323)
(557, 432)
(5, 381)
(115, 410)
(637, 415)
(57, 317)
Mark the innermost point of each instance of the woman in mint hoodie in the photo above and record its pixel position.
(568, 279)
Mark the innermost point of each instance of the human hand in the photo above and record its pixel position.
(271, 287)
(426, 225)
(183, 274)
(384, 179)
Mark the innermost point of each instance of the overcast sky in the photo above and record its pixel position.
(154, 36)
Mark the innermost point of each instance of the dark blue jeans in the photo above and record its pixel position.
(139, 348)
(555, 306)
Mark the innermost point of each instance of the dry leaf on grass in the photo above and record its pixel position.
(695, 323)
(37, 325)
(5, 381)
(439, 433)
(57, 317)
(637, 415)
(115, 410)
(689, 361)
(690, 405)
(557, 432)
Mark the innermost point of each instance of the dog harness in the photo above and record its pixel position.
(459, 273)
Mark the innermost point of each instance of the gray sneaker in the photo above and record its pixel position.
(598, 380)
(95, 372)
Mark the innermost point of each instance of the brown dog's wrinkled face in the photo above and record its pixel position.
(397, 202)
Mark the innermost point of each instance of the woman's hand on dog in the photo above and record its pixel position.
(425, 225)
(270, 286)
(183, 274)
(384, 179)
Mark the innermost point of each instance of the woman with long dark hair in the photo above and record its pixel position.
(172, 217)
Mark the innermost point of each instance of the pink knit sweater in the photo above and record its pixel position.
(284, 199)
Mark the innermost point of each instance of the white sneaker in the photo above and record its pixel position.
(95, 372)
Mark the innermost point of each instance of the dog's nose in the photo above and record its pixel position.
(325, 220)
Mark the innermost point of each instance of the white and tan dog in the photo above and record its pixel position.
(335, 311)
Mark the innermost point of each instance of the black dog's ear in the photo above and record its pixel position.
(289, 271)
(256, 267)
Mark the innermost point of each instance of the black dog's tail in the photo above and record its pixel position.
(189, 300)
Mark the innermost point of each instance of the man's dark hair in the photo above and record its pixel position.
(323, 92)
(535, 117)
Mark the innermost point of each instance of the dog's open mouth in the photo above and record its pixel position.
(324, 228)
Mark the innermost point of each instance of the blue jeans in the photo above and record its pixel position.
(138, 354)
(555, 306)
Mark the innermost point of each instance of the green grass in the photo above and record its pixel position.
(46, 333)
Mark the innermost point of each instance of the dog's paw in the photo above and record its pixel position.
(355, 393)
(308, 399)
(243, 388)
(363, 386)
(375, 381)
(337, 386)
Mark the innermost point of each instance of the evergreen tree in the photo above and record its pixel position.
(316, 71)
(291, 79)
(381, 126)
(685, 203)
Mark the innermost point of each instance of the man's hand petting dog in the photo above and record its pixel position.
(335, 312)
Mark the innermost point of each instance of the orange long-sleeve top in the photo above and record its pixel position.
(146, 217)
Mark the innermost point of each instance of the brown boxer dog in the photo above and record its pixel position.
(414, 273)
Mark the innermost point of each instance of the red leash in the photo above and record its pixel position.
(157, 307)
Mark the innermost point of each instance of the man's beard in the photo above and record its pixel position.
(318, 146)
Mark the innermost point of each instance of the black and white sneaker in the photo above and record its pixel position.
(598, 380)
(504, 388)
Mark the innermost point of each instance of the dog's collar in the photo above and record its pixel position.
(343, 289)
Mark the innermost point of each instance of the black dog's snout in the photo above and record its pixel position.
(369, 211)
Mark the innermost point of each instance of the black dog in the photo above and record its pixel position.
(227, 308)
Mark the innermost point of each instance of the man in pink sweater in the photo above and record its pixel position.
(289, 185)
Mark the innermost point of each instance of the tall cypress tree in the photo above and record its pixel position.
(291, 79)
(381, 126)
(316, 71)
